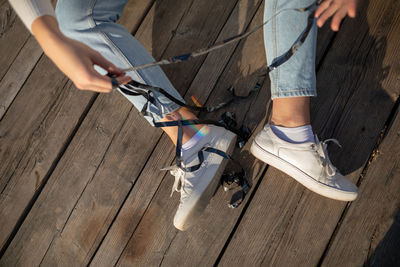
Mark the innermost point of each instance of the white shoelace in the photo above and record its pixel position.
(324, 161)
(179, 175)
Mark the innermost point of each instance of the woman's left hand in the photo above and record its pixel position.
(336, 8)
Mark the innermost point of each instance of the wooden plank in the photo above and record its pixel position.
(370, 230)
(80, 216)
(13, 36)
(157, 28)
(286, 224)
(155, 234)
(19, 54)
(134, 13)
(78, 165)
(135, 205)
(29, 144)
(141, 194)
(155, 241)
(18, 73)
(83, 178)
(96, 207)
(33, 133)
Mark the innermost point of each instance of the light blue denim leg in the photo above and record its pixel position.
(93, 22)
(295, 77)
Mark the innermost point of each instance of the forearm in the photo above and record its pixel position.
(30, 10)
(47, 33)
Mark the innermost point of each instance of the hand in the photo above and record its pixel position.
(338, 8)
(75, 59)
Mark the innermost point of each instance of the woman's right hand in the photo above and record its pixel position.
(75, 59)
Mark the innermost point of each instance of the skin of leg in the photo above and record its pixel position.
(291, 111)
(293, 82)
(188, 131)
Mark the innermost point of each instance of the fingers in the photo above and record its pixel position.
(327, 13)
(338, 8)
(352, 9)
(321, 8)
(337, 19)
(100, 83)
(99, 60)
(94, 81)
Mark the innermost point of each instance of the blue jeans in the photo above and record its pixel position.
(93, 22)
(296, 77)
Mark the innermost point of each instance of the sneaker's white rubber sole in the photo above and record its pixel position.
(300, 176)
(199, 206)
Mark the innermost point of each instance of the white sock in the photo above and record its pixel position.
(294, 135)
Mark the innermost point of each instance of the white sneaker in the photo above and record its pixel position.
(198, 187)
(308, 163)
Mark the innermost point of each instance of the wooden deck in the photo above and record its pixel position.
(80, 177)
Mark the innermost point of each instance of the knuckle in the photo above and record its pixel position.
(79, 86)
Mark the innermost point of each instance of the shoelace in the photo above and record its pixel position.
(324, 161)
(179, 175)
(134, 88)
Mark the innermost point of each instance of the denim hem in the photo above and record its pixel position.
(293, 93)
(166, 110)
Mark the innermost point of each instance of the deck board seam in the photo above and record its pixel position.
(347, 100)
(247, 204)
(145, 13)
(16, 55)
(140, 220)
(47, 250)
(185, 94)
(29, 143)
(22, 85)
(177, 26)
(230, 58)
(97, 169)
(47, 177)
(217, 36)
(124, 201)
(166, 251)
(326, 52)
(286, 227)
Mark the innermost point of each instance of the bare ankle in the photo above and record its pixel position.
(188, 131)
(289, 121)
(291, 111)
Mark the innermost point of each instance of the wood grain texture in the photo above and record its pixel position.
(76, 168)
(196, 32)
(299, 231)
(134, 13)
(29, 144)
(35, 130)
(200, 246)
(101, 198)
(88, 208)
(112, 241)
(155, 233)
(18, 72)
(106, 202)
(155, 240)
(19, 54)
(13, 36)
